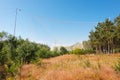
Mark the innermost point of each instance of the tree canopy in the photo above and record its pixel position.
(106, 36)
(14, 52)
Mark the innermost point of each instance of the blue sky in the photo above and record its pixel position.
(63, 22)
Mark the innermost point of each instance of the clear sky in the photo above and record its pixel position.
(63, 22)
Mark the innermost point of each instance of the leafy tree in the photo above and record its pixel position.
(6, 58)
(86, 44)
(105, 38)
(43, 51)
(15, 52)
(78, 51)
(63, 50)
(55, 52)
(26, 51)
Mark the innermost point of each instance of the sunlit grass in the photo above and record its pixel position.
(73, 67)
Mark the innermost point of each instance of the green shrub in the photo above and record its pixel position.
(99, 65)
(116, 50)
(78, 51)
(54, 54)
(39, 63)
(117, 66)
(83, 51)
(90, 51)
(87, 63)
(63, 50)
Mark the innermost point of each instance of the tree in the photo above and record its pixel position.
(63, 50)
(117, 34)
(15, 52)
(26, 52)
(104, 36)
(94, 40)
(43, 51)
(55, 52)
(6, 58)
(86, 44)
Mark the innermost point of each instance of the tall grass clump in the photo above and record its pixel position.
(87, 63)
(117, 65)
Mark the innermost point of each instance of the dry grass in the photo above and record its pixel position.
(73, 67)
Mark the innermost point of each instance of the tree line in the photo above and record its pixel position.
(106, 36)
(15, 52)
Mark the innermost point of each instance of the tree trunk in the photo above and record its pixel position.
(100, 51)
(97, 49)
(108, 47)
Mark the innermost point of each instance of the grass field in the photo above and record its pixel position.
(73, 67)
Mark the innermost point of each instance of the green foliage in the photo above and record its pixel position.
(39, 62)
(90, 51)
(43, 51)
(117, 66)
(87, 63)
(86, 44)
(55, 52)
(5, 57)
(26, 52)
(63, 50)
(11, 69)
(116, 50)
(83, 51)
(15, 52)
(106, 36)
(99, 65)
(78, 51)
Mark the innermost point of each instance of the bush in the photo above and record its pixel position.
(78, 51)
(63, 50)
(55, 53)
(83, 51)
(87, 63)
(116, 50)
(90, 51)
(117, 66)
(39, 62)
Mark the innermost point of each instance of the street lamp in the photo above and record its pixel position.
(16, 20)
(14, 33)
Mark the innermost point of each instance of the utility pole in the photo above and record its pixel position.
(16, 20)
(14, 34)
